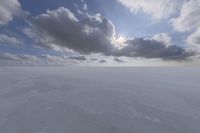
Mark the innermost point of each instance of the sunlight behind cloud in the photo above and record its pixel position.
(119, 41)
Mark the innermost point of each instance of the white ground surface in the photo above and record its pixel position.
(99, 100)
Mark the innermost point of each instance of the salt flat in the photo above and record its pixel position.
(99, 100)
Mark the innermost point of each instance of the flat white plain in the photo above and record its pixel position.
(99, 100)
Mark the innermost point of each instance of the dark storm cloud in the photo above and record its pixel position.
(118, 60)
(150, 48)
(102, 61)
(88, 34)
(81, 58)
(60, 29)
(94, 59)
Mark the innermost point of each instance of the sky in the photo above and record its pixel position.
(100, 32)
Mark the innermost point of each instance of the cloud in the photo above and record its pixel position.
(150, 48)
(8, 10)
(118, 60)
(8, 56)
(194, 38)
(61, 28)
(54, 60)
(188, 11)
(26, 59)
(18, 57)
(163, 38)
(102, 61)
(158, 9)
(189, 18)
(87, 34)
(9, 40)
(189, 21)
(81, 58)
(84, 5)
(30, 59)
(93, 59)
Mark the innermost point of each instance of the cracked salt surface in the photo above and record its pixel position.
(99, 100)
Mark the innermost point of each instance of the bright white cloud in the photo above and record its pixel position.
(194, 38)
(158, 9)
(163, 37)
(119, 42)
(189, 21)
(189, 18)
(9, 9)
